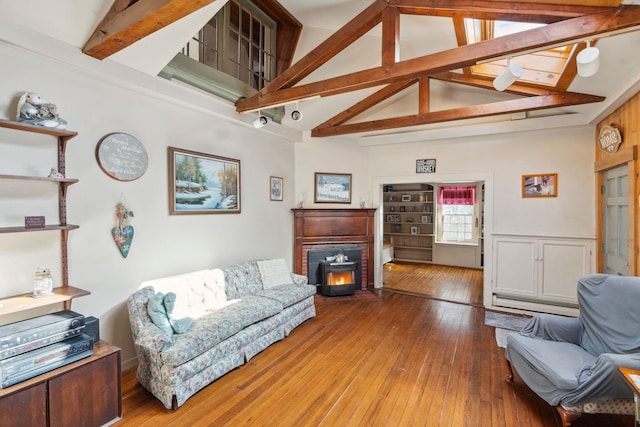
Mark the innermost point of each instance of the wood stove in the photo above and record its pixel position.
(338, 278)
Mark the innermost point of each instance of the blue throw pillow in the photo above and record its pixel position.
(179, 326)
(158, 314)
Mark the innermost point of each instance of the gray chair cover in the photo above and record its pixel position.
(569, 361)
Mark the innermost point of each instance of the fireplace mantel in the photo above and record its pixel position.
(322, 228)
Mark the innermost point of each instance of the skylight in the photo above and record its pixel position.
(542, 68)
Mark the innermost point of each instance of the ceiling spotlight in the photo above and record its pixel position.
(588, 61)
(296, 115)
(260, 122)
(508, 77)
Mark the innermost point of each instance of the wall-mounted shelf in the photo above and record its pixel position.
(65, 293)
(17, 303)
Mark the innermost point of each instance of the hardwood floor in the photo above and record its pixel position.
(455, 284)
(383, 358)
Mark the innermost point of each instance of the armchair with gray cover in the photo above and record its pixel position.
(572, 363)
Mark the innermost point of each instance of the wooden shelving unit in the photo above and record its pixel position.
(94, 383)
(64, 293)
(409, 221)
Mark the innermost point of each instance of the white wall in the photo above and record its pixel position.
(567, 152)
(98, 98)
(332, 155)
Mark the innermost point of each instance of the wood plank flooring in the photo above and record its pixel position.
(382, 358)
(463, 285)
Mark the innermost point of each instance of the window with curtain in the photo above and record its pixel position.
(457, 207)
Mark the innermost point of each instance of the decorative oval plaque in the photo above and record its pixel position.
(122, 157)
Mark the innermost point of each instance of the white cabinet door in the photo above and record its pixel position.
(515, 269)
(563, 262)
(540, 270)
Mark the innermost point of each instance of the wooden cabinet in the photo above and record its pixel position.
(409, 221)
(530, 272)
(63, 293)
(84, 393)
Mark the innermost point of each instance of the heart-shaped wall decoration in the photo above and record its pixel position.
(123, 239)
(122, 233)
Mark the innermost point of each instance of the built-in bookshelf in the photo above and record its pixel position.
(409, 221)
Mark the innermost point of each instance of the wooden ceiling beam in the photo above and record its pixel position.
(492, 10)
(390, 36)
(352, 31)
(612, 21)
(129, 21)
(368, 102)
(485, 110)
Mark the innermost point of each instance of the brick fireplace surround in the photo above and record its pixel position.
(324, 228)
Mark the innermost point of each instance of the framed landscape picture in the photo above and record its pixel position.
(202, 183)
(542, 185)
(332, 188)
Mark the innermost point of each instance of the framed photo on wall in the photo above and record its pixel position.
(332, 187)
(276, 188)
(202, 183)
(541, 185)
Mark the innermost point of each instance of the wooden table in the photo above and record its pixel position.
(632, 376)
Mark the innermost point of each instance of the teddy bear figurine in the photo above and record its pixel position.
(33, 109)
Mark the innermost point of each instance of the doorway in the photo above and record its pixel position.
(378, 186)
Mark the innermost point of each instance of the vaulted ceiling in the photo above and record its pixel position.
(370, 67)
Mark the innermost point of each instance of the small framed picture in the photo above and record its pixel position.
(332, 188)
(406, 197)
(393, 218)
(396, 228)
(415, 230)
(542, 185)
(276, 188)
(426, 219)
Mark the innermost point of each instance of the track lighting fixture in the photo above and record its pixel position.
(508, 77)
(588, 61)
(296, 115)
(260, 122)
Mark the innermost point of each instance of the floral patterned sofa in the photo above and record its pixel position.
(236, 312)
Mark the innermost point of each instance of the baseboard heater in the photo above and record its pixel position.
(535, 304)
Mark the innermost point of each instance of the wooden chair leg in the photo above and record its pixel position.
(567, 417)
(509, 371)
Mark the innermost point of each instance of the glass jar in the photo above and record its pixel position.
(42, 283)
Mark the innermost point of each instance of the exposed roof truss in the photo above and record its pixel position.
(567, 24)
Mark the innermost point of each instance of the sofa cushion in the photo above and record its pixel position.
(216, 326)
(242, 279)
(274, 272)
(289, 294)
(556, 361)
